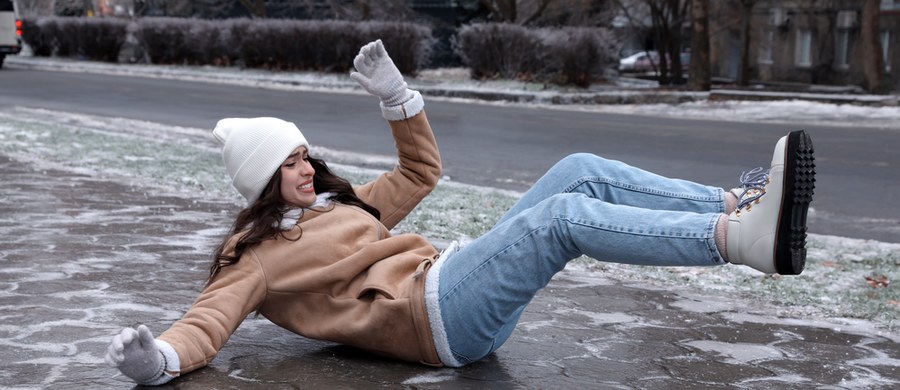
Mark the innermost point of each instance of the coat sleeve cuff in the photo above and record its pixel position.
(173, 364)
(405, 110)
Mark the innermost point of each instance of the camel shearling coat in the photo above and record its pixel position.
(347, 279)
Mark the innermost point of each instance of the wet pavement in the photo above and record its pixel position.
(82, 256)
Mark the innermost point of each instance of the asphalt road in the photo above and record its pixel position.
(858, 184)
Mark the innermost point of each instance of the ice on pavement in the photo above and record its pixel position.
(185, 162)
(162, 160)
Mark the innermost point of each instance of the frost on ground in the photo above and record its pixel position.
(844, 278)
(781, 111)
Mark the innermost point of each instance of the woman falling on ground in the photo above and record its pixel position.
(315, 255)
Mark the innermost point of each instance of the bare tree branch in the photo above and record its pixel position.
(540, 10)
(257, 8)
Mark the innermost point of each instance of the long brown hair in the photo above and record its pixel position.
(261, 220)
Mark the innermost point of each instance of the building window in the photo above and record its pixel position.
(886, 49)
(890, 5)
(841, 48)
(778, 17)
(765, 47)
(803, 51)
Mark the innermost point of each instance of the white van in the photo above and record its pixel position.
(10, 29)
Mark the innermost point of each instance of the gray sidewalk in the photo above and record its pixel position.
(84, 255)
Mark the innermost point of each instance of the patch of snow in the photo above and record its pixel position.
(737, 353)
(436, 377)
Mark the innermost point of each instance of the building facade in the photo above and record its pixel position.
(804, 42)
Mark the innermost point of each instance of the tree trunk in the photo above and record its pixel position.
(873, 63)
(534, 15)
(699, 71)
(257, 8)
(365, 11)
(661, 29)
(746, 15)
(503, 10)
(677, 12)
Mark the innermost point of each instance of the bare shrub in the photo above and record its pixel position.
(578, 56)
(258, 43)
(409, 44)
(270, 44)
(210, 42)
(67, 37)
(328, 45)
(98, 39)
(163, 39)
(184, 41)
(567, 56)
(40, 34)
(499, 50)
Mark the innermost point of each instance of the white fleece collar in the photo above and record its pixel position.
(293, 215)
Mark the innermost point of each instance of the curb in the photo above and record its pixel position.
(863, 100)
(561, 98)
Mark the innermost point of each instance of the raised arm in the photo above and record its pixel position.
(396, 193)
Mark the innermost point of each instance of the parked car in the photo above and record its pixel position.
(648, 61)
(628, 63)
(10, 30)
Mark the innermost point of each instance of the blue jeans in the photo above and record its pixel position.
(584, 205)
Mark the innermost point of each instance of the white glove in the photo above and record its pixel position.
(376, 73)
(134, 352)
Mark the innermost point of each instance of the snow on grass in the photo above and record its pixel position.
(833, 285)
(179, 166)
(780, 111)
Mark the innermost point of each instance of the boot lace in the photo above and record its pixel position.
(753, 186)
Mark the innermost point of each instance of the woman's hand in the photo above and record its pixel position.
(377, 74)
(134, 352)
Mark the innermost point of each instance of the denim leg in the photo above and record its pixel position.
(619, 183)
(484, 287)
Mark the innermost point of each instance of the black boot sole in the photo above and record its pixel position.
(799, 183)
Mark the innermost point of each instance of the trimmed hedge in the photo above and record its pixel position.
(40, 34)
(269, 43)
(181, 41)
(91, 38)
(566, 56)
(571, 55)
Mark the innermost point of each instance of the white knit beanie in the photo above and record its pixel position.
(254, 149)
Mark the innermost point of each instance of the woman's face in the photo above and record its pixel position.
(297, 179)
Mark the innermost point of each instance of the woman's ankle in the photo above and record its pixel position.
(721, 235)
(731, 202)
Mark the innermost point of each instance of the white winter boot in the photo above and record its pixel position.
(767, 231)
